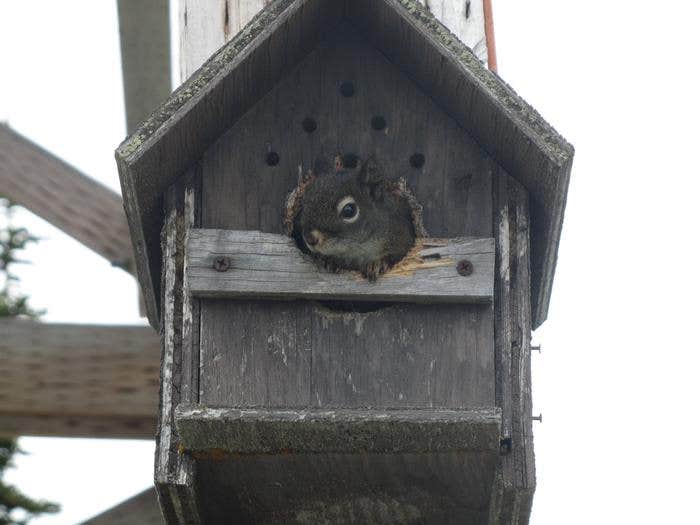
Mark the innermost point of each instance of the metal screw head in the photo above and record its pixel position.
(465, 268)
(221, 264)
(537, 418)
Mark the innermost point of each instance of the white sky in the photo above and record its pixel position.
(617, 382)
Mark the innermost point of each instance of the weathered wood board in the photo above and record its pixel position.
(276, 431)
(301, 354)
(251, 264)
(60, 194)
(409, 488)
(78, 380)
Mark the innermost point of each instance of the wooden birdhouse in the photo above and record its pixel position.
(291, 393)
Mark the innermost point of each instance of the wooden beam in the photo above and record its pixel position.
(227, 263)
(78, 380)
(144, 31)
(206, 26)
(142, 509)
(57, 192)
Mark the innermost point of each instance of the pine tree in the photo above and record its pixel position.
(15, 507)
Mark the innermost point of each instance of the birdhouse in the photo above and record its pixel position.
(293, 393)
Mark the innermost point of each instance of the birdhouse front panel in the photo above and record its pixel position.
(342, 105)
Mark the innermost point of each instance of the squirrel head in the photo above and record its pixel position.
(354, 220)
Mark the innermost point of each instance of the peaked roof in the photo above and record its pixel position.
(276, 40)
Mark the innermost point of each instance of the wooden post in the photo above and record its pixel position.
(206, 26)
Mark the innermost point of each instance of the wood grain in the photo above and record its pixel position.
(512, 496)
(78, 380)
(274, 431)
(60, 194)
(270, 266)
(174, 472)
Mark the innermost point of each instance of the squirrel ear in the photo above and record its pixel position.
(371, 176)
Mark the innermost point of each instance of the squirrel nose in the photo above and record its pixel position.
(311, 237)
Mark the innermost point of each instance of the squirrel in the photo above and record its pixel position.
(355, 220)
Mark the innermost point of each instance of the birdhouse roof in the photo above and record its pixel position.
(238, 75)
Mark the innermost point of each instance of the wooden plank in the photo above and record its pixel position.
(450, 487)
(142, 509)
(275, 431)
(78, 380)
(174, 473)
(60, 194)
(144, 34)
(514, 490)
(256, 353)
(270, 266)
(300, 354)
(77, 425)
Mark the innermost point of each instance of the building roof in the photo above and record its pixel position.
(273, 43)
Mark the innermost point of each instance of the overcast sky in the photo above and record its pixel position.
(617, 382)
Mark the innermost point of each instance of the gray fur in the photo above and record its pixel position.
(379, 238)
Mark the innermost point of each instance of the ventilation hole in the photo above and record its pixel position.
(350, 161)
(347, 89)
(378, 122)
(309, 125)
(417, 160)
(272, 159)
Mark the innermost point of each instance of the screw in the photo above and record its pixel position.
(221, 264)
(465, 268)
(536, 348)
(537, 418)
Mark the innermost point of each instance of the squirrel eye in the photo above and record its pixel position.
(348, 210)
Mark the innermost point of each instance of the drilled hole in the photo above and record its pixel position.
(417, 160)
(378, 122)
(347, 89)
(309, 125)
(272, 159)
(350, 161)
